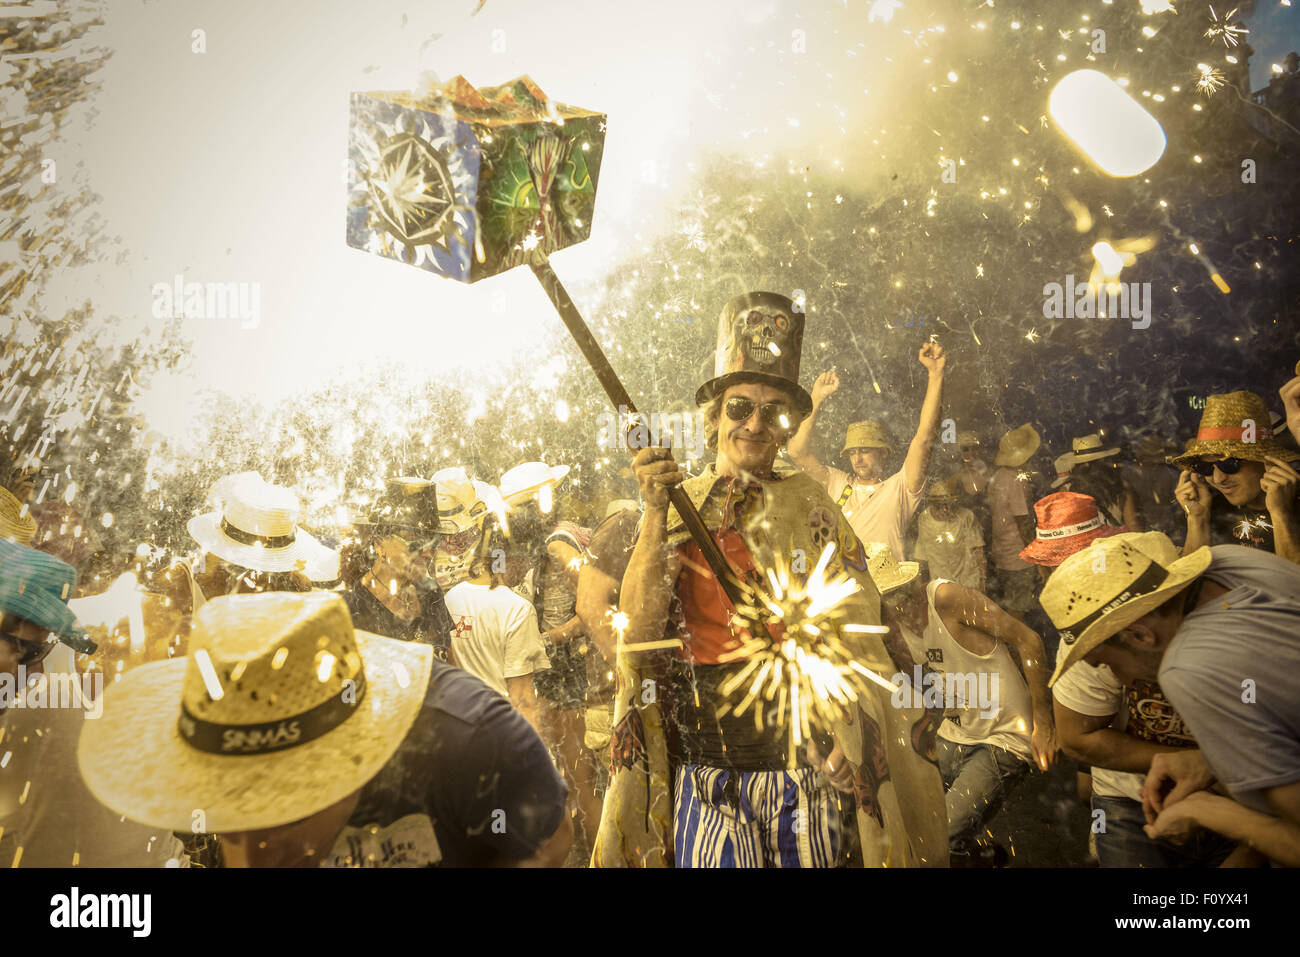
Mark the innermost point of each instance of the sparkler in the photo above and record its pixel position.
(1209, 79)
(805, 670)
(1222, 28)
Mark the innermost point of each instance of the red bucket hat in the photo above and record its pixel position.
(1068, 522)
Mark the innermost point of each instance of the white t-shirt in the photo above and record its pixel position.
(1008, 498)
(1141, 712)
(947, 546)
(494, 634)
(878, 513)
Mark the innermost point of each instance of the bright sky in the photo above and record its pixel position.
(226, 166)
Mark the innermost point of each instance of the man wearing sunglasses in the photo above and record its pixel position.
(693, 782)
(34, 591)
(877, 504)
(1236, 454)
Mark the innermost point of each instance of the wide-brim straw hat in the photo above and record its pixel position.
(1097, 592)
(1063, 464)
(256, 527)
(137, 761)
(17, 524)
(887, 572)
(524, 481)
(1089, 448)
(866, 434)
(460, 507)
(1068, 522)
(1017, 447)
(1228, 422)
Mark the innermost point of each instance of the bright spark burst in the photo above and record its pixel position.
(1209, 79)
(1032, 335)
(1245, 526)
(805, 670)
(1223, 28)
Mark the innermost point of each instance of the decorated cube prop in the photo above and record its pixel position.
(466, 183)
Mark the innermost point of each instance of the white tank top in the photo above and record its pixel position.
(986, 700)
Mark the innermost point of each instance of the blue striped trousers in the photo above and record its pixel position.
(725, 818)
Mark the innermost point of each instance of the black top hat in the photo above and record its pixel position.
(760, 339)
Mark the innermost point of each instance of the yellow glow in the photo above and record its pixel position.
(1219, 281)
(209, 674)
(324, 666)
(1107, 124)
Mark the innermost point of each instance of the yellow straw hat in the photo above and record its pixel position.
(1235, 425)
(1017, 446)
(16, 521)
(866, 434)
(1097, 592)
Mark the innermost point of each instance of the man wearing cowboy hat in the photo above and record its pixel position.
(717, 792)
(989, 674)
(302, 742)
(1115, 730)
(1094, 470)
(1009, 495)
(878, 506)
(1236, 454)
(253, 541)
(1219, 630)
(948, 538)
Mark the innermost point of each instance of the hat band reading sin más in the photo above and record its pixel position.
(1144, 584)
(248, 538)
(270, 736)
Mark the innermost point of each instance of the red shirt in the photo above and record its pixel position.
(704, 605)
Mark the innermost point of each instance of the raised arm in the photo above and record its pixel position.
(917, 462)
(1194, 496)
(800, 446)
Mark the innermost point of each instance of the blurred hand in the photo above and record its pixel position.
(656, 471)
(825, 387)
(1290, 394)
(836, 767)
(933, 357)
(1181, 773)
(1178, 823)
(1194, 496)
(1279, 485)
(1043, 741)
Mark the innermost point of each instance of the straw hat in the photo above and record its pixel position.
(1089, 448)
(35, 587)
(621, 505)
(866, 435)
(280, 711)
(1226, 427)
(524, 481)
(459, 505)
(1112, 583)
(16, 521)
(1017, 446)
(888, 573)
(256, 527)
(1064, 464)
(941, 492)
(1068, 522)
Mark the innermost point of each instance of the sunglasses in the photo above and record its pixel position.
(32, 652)
(776, 414)
(1226, 466)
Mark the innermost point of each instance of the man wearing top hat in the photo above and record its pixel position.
(879, 506)
(1236, 454)
(698, 790)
